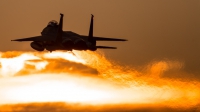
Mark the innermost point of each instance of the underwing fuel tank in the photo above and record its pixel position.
(37, 46)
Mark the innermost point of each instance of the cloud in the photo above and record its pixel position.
(66, 107)
(91, 78)
(23, 63)
(56, 66)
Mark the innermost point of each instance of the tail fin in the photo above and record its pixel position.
(91, 26)
(60, 31)
(90, 36)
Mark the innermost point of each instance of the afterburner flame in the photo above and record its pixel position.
(89, 78)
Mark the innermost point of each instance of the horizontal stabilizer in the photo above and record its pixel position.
(108, 39)
(105, 47)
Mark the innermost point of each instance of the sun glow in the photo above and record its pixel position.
(87, 77)
(55, 89)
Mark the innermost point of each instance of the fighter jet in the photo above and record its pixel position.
(54, 38)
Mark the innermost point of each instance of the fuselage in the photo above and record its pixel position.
(69, 41)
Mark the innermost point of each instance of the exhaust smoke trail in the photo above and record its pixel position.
(89, 78)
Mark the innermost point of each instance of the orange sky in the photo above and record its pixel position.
(156, 29)
(163, 51)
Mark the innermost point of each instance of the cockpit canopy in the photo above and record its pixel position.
(53, 23)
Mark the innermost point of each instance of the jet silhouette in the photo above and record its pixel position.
(54, 38)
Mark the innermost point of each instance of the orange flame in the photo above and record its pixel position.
(90, 78)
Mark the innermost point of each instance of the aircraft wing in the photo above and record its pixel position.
(35, 38)
(104, 38)
(108, 39)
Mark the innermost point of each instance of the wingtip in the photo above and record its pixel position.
(16, 40)
(122, 40)
(92, 15)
